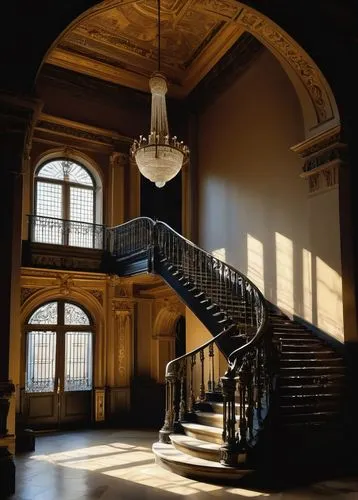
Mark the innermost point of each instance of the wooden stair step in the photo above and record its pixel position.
(308, 389)
(323, 396)
(196, 447)
(311, 362)
(203, 432)
(210, 419)
(195, 468)
(310, 407)
(316, 416)
(324, 354)
(311, 370)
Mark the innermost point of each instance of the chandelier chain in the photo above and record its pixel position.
(158, 2)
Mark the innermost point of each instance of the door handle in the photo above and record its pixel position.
(58, 385)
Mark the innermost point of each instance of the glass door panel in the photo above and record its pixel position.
(41, 362)
(78, 361)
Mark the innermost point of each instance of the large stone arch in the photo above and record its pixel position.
(318, 104)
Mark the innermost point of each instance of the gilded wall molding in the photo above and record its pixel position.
(281, 43)
(26, 292)
(98, 294)
(118, 159)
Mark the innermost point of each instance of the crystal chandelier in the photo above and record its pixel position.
(160, 157)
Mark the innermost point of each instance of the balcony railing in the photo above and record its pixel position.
(66, 232)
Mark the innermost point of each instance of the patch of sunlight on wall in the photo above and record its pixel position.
(284, 272)
(329, 300)
(307, 284)
(255, 262)
(219, 253)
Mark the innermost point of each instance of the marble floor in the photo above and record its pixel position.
(119, 465)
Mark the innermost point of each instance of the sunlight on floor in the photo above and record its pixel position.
(135, 464)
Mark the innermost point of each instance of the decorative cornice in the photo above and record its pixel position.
(64, 128)
(323, 155)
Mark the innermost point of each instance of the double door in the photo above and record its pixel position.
(58, 388)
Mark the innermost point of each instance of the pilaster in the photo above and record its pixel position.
(326, 170)
(119, 163)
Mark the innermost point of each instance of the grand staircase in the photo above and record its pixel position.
(280, 402)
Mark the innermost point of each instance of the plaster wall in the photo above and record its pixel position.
(254, 210)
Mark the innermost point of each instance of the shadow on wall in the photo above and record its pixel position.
(305, 286)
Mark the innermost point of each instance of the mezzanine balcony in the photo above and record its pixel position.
(64, 244)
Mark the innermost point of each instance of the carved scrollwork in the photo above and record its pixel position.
(119, 159)
(65, 283)
(98, 294)
(291, 52)
(26, 293)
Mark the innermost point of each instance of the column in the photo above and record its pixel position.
(17, 117)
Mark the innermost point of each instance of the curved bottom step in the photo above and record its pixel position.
(195, 468)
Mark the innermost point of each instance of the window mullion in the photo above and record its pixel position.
(66, 212)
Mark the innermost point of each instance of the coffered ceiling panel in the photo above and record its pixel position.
(120, 44)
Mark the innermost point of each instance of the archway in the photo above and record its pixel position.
(58, 347)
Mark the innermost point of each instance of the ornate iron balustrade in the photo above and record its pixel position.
(131, 237)
(239, 322)
(66, 232)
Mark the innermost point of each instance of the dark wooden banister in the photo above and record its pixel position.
(249, 366)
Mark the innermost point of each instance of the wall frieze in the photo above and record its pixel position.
(67, 262)
(65, 128)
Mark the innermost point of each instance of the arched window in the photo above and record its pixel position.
(65, 205)
(59, 348)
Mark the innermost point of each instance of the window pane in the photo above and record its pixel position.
(52, 170)
(45, 315)
(41, 362)
(74, 315)
(81, 209)
(81, 204)
(78, 361)
(49, 199)
(48, 204)
(79, 175)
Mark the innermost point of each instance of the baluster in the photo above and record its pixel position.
(202, 384)
(245, 381)
(211, 381)
(182, 404)
(168, 426)
(191, 401)
(229, 451)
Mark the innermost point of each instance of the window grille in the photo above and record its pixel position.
(65, 206)
(59, 348)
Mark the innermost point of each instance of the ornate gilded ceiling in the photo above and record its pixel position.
(119, 43)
